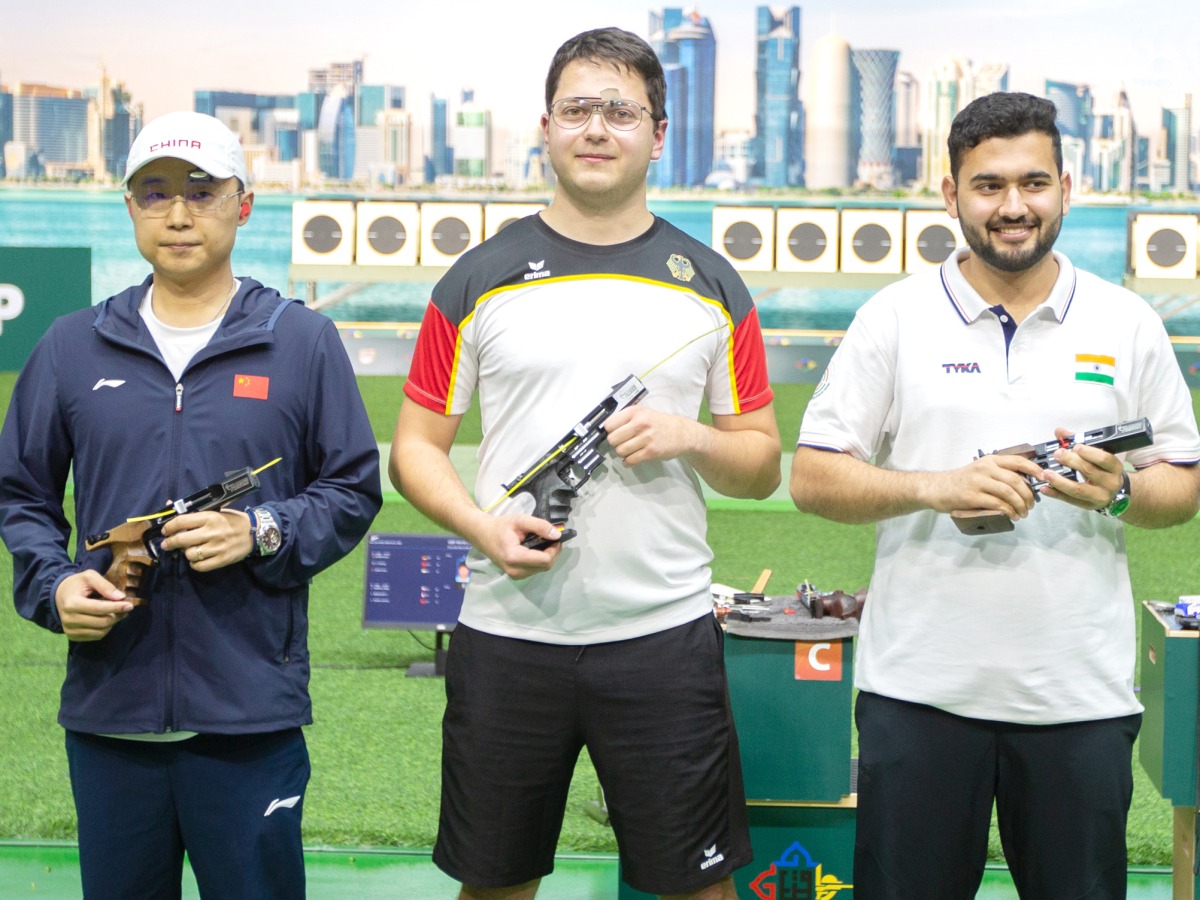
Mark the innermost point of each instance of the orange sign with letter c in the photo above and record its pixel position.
(819, 660)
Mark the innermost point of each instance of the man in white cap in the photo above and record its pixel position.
(185, 692)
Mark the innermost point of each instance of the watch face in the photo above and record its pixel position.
(1119, 505)
(270, 539)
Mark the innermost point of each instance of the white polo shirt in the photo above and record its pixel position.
(1034, 625)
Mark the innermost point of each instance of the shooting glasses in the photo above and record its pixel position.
(574, 112)
(155, 197)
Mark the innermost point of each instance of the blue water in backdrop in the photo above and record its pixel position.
(1092, 236)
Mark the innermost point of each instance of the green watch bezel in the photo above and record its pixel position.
(1120, 500)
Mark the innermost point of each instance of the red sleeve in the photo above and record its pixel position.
(432, 369)
(751, 382)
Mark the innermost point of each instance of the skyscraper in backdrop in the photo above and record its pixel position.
(830, 116)
(6, 126)
(1124, 163)
(1175, 144)
(51, 125)
(908, 128)
(949, 91)
(687, 48)
(989, 78)
(875, 77)
(440, 160)
(778, 114)
(472, 139)
(112, 127)
(335, 134)
(1076, 123)
(339, 83)
(1114, 149)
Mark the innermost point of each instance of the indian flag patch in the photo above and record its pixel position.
(1096, 368)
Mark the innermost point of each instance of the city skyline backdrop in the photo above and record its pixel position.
(164, 54)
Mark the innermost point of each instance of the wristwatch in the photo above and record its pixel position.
(1120, 500)
(265, 531)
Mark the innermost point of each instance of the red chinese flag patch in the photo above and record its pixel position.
(252, 387)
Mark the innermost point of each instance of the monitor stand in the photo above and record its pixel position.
(435, 669)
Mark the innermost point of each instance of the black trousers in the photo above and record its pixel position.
(927, 783)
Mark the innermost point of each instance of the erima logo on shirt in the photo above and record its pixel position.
(712, 857)
(537, 271)
(108, 382)
(961, 368)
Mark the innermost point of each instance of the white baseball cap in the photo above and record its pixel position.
(203, 141)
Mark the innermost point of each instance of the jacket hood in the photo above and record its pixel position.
(253, 309)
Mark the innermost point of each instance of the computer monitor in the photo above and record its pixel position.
(414, 581)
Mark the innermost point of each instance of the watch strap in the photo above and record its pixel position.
(265, 531)
(1120, 500)
(250, 511)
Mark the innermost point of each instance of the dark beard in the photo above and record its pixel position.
(1019, 261)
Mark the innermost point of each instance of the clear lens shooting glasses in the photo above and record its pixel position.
(575, 112)
(156, 199)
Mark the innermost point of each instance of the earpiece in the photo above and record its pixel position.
(245, 210)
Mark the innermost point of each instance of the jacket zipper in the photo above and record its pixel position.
(287, 646)
(169, 676)
(169, 611)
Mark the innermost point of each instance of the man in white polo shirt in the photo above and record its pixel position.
(997, 667)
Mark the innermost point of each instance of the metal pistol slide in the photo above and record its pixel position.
(1112, 438)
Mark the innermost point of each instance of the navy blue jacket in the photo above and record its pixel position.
(218, 652)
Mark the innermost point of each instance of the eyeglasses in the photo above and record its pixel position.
(573, 112)
(200, 199)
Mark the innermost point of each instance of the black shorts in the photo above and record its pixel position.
(654, 714)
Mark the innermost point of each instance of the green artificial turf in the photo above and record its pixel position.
(375, 743)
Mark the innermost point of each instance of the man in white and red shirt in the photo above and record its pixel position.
(606, 640)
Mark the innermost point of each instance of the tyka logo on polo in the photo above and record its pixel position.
(537, 270)
(961, 368)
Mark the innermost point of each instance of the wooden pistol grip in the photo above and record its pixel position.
(981, 521)
(1025, 450)
(130, 558)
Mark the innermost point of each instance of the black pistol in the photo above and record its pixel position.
(554, 480)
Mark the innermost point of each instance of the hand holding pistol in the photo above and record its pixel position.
(554, 480)
(136, 543)
(1111, 438)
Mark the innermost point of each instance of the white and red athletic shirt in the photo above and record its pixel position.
(1035, 625)
(543, 328)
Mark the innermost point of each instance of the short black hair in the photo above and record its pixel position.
(1002, 115)
(621, 49)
